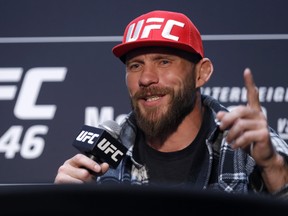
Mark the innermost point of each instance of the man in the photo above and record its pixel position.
(175, 135)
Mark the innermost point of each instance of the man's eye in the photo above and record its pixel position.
(134, 67)
(164, 62)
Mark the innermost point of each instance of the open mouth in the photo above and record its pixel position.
(152, 98)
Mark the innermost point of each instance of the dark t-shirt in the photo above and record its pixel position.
(178, 168)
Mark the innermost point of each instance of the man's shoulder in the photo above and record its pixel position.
(212, 103)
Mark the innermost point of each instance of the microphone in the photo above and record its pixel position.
(101, 143)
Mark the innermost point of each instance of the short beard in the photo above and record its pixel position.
(155, 123)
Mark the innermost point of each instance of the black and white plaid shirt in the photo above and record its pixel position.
(235, 170)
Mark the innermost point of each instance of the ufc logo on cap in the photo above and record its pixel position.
(147, 28)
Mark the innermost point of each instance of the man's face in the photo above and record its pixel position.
(161, 85)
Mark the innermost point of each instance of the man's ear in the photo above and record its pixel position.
(204, 70)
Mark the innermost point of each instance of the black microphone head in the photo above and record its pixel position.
(101, 143)
(111, 127)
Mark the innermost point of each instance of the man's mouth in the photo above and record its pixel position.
(152, 98)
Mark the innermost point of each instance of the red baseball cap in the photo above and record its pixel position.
(160, 28)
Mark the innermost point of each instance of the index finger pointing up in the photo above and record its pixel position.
(252, 90)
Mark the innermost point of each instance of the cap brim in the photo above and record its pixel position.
(122, 49)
